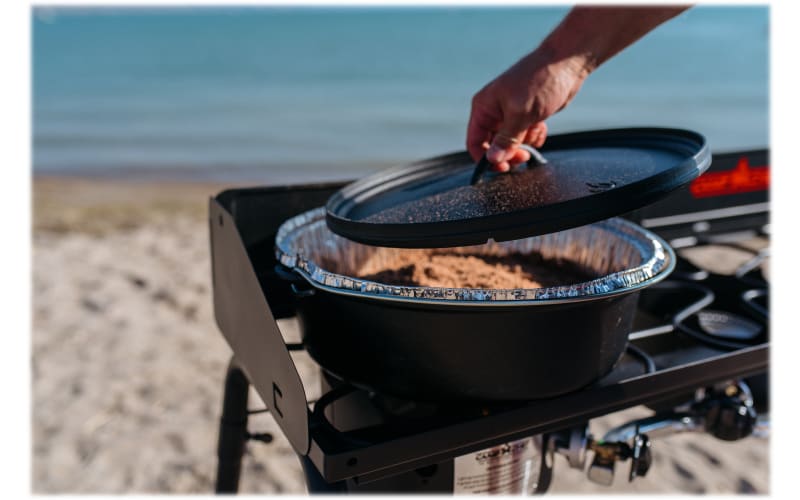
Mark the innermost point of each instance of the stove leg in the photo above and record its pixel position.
(232, 430)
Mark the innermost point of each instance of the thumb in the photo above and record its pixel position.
(511, 134)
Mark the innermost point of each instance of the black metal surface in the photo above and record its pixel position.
(258, 212)
(393, 456)
(589, 176)
(244, 267)
(315, 483)
(740, 203)
(726, 323)
(757, 301)
(430, 352)
(243, 315)
(480, 168)
(483, 164)
(682, 366)
(641, 457)
(232, 430)
(348, 409)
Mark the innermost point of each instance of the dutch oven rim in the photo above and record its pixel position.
(446, 302)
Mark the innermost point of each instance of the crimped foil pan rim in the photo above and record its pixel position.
(656, 268)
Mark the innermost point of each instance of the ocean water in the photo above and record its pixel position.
(290, 93)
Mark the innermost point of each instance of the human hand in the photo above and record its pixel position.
(511, 109)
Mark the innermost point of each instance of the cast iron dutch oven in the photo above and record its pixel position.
(459, 344)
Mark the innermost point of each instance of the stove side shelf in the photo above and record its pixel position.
(245, 320)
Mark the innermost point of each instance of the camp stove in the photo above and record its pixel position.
(697, 356)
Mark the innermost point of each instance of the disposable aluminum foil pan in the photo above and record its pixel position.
(624, 256)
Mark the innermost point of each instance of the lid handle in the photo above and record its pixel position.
(483, 164)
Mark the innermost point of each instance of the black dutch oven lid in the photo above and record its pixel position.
(585, 177)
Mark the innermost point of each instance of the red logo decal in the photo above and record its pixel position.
(741, 179)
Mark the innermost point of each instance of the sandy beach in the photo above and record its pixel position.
(128, 363)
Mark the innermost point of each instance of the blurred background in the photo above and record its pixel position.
(290, 92)
(140, 114)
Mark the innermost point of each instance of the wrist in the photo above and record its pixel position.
(550, 60)
(580, 63)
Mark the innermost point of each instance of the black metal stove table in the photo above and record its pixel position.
(682, 341)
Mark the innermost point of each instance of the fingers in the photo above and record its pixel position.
(504, 144)
(482, 122)
(539, 142)
(519, 156)
(536, 135)
(501, 147)
(477, 136)
(511, 133)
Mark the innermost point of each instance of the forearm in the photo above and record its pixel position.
(589, 36)
(511, 109)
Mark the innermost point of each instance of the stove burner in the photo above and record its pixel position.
(757, 301)
(728, 325)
